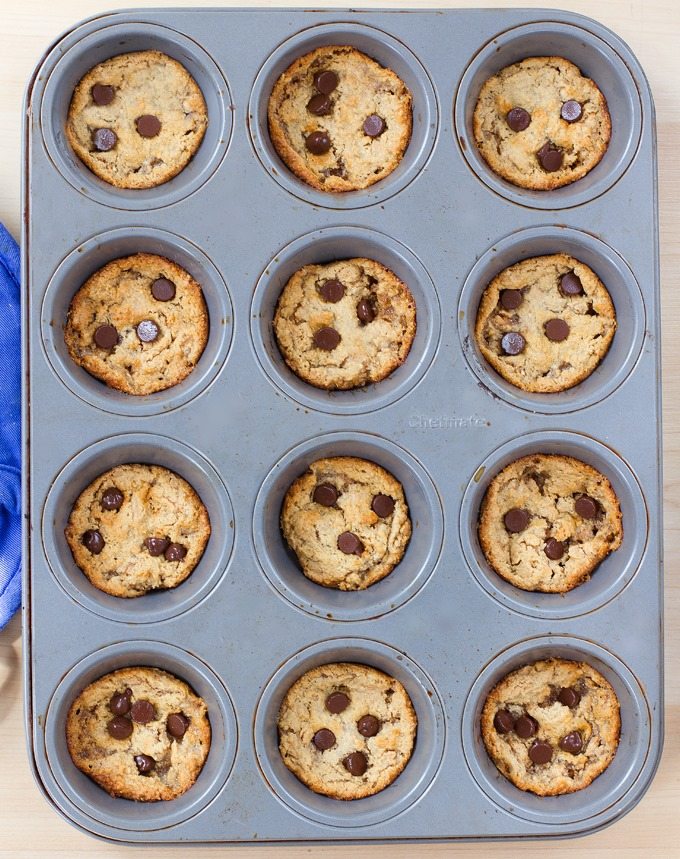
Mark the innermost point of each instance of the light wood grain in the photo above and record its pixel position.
(28, 826)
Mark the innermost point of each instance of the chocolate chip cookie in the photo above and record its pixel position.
(347, 521)
(346, 730)
(139, 324)
(139, 733)
(137, 528)
(545, 323)
(552, 727)
(541, 124)
(339, 120)
(137, 119)
(547, 521)
(345, 324)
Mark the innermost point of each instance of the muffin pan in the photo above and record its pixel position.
(241, 427)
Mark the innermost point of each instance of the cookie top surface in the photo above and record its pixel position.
(137, 119)
(545, 323)
(347, 521)
(139, 324)
(339, 120)
(346, 730)
(345, 324)
(552, 727)
(547, 521)
(520, 126)
(137, 528)
(146, 744)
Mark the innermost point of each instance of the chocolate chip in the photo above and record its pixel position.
(374, 125)
(325, 494)
(326, 339)
(383, 505)
(176, 725)
(350, 544)
(332, 290)
(556, 330)
(143, 711)
(104, 139)
(511, 299)
(550, 157)
(336, 702)
(102, 94)
(572, 743)
(148, 125)
(119, 704)
(518, 119)
(119, 728)
(503, 721)
(93, 541)
(147, 331)
(156, 545)
(516, 520)
(570, 284)
(541, 752)
(112, 499)
(175, 552)
(355, 763)
(569, 696)
(525, 727)
(554, 549)
(145, 764)
(571, 111)
(318, 142)
(163, 289)
(368, 726)
(586, 507)
(365, 311)
(325, 82)
(106, 337)
(324, 739)
(319, 105)
(513, 343)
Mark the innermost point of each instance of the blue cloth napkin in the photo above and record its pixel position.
(10, 428)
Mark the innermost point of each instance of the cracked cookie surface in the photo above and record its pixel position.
(534, 299)
(547, 521)
(139, 733)
(346, 730)
(551, 727)
(137, 119)
(139, 324)
(137, 528)
(520, 126)
(371, 311)
(347, 521)
(339, 120)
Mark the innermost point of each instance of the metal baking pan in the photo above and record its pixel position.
(241, 427)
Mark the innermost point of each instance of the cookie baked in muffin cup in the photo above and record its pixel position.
(339, 120)
(541, 124)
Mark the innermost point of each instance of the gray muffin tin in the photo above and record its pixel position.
(246, 624)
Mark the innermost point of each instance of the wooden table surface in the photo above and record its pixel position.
(28, 826)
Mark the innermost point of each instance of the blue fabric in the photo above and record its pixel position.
(10, 428)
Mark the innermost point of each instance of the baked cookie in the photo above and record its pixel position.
(552, 727)
(547, 521)
(137, 528)
(545, 323)
(339, 120)
(344, 324)
(140, 733)
(139, 324)
(346, 730)
(541, 124)
(137, 119)
(347, 521)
